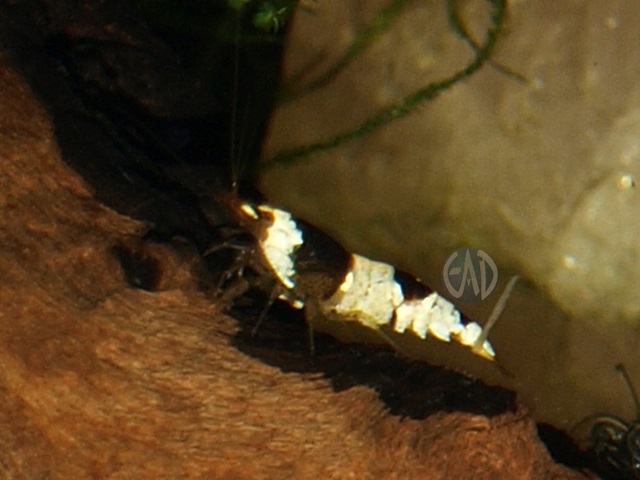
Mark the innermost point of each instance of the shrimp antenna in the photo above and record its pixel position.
(495, 314)
(234, 106)
(627, 381)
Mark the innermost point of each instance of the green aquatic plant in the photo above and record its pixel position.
(379, 25)
(268, 16)
(460, 29)
(481, 55)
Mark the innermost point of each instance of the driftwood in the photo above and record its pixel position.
(102, 380)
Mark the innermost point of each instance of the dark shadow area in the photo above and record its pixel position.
(408, 388)
(564, 450)
(143, 100)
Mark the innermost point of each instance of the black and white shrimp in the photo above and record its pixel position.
(307, 268)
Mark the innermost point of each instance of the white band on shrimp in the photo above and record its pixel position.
(280, 242)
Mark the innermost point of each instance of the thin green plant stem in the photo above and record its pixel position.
(461, 30)
(406, 105)
(364, 38)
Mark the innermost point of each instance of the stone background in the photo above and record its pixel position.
(538, 172)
